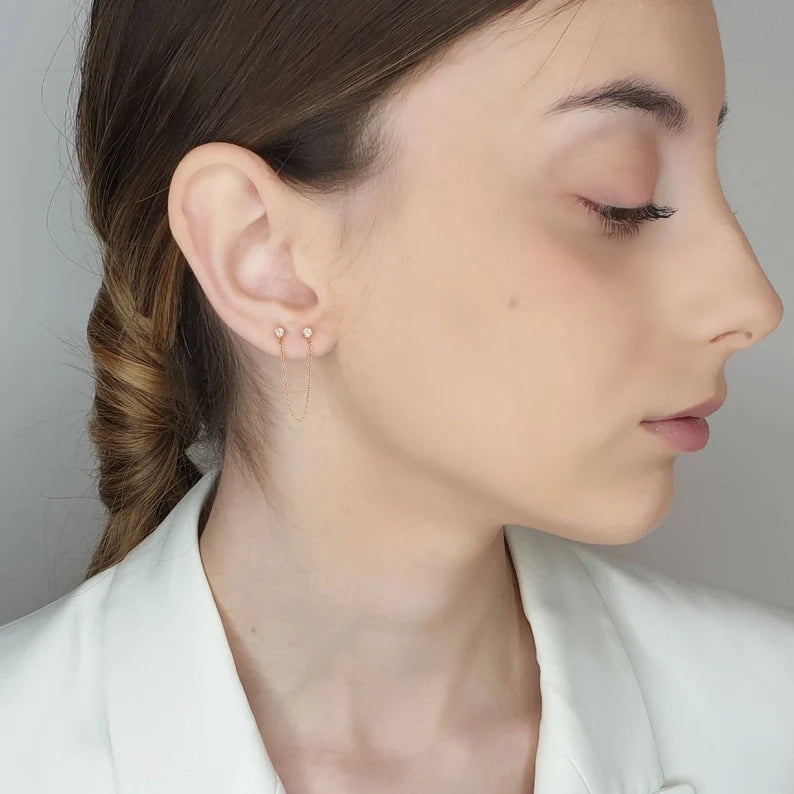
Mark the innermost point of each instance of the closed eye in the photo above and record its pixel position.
(624, 222)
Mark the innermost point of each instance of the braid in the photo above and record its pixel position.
(141, 420)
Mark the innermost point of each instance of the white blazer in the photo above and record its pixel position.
(127, 685)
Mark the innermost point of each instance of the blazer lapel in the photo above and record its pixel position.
(179, 719)
(595, 732)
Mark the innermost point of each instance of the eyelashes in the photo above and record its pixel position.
(622, 222)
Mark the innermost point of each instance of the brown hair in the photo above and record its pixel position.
(298, 82)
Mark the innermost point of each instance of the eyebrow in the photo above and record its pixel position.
(635, 94)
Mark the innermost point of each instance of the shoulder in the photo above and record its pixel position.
(663, 607)
(63, 627)
(52, 718)
(716, 668)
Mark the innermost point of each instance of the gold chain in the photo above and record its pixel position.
(307, 333)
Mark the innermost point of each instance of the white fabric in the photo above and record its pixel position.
(650, 684)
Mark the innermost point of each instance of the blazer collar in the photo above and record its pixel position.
(179, 718)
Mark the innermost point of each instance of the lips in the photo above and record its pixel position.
(700, 411)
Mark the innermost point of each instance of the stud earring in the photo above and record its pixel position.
(307, 333)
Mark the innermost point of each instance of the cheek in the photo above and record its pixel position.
(424, 348)
(481, 341)
(499, 357)
(571, 457)
(568, 341)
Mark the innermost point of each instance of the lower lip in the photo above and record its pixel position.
(689, 434)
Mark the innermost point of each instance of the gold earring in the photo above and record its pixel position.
(307, 333)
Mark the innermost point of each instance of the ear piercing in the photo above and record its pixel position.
(307, 333)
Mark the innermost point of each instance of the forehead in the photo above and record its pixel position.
(526, 62)
(493, 92)
(673, 43)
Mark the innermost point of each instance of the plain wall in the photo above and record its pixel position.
(732, 520)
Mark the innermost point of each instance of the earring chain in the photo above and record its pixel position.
(307, 333)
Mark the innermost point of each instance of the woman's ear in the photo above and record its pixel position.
(232, 218)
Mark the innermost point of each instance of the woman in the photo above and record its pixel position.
(492, 237)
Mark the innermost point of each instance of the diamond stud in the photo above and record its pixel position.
(307, 332)
(279, 332)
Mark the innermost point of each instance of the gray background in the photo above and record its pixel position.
(731, 524)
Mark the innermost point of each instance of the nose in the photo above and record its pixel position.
(750, 307)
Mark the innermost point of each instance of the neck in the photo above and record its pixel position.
(345, 631)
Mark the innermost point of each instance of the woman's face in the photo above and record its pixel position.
(501, 342)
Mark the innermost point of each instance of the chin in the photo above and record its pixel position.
(628, 536)
(621, 527)
(625, 516)
(640, 526)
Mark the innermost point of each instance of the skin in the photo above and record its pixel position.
(483, 355)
